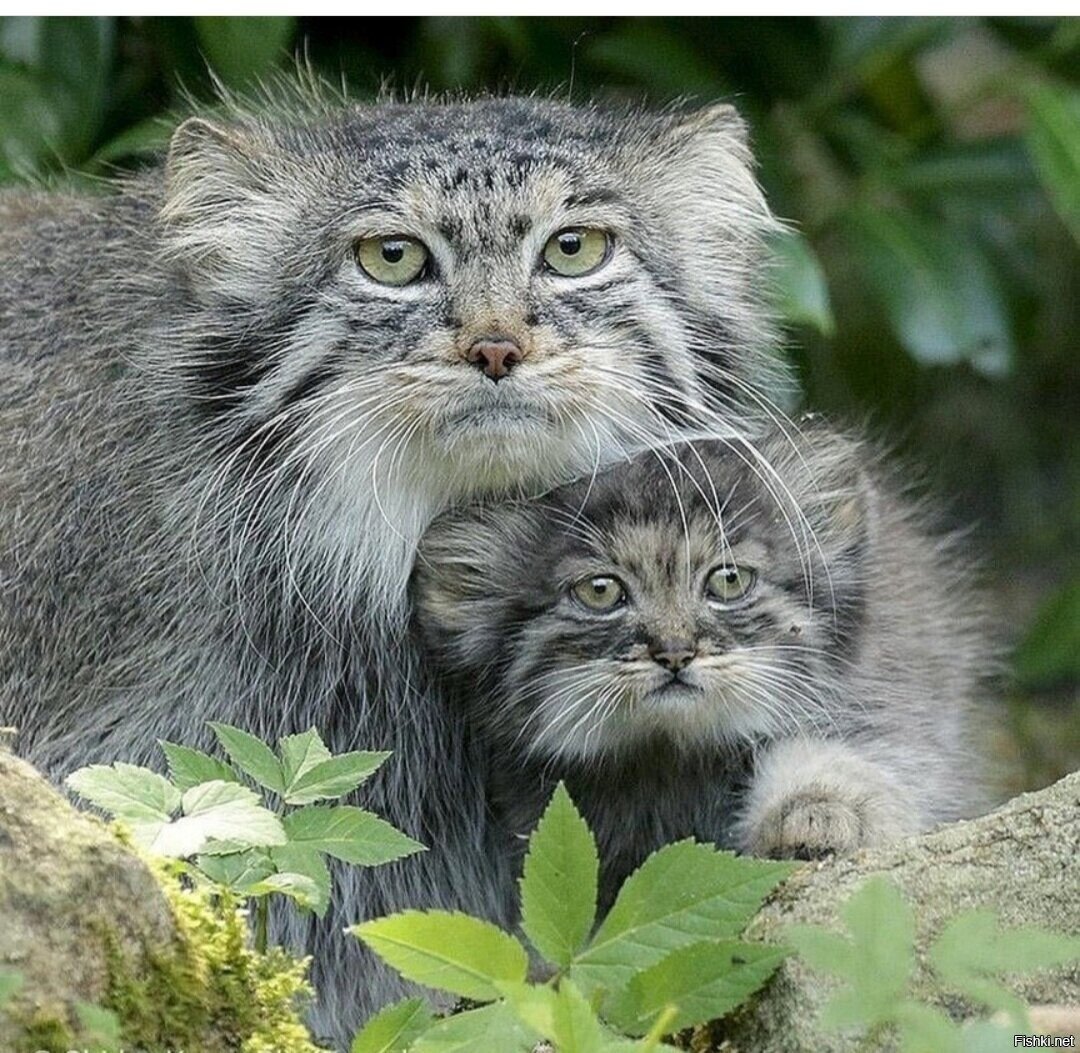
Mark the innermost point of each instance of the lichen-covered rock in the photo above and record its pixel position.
(1022, 861)
(83, 919)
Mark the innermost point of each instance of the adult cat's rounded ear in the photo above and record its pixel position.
(718, 118)
(221, 211)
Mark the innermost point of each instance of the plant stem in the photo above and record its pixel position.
(661, 1026)
(262, 917)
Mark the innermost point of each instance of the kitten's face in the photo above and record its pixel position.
(617, 626)
(480, 294)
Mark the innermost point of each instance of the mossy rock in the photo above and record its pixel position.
(85, 921)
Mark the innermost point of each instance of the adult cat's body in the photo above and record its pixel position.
(781, 664)
(236, 390)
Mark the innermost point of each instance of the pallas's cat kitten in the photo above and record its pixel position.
(783, 662)
(235, 390)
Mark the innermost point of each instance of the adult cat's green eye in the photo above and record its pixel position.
(728, 583)
(600, 593)
(576, 251)
(395, 260)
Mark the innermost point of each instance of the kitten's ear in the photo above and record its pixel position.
(463, 566)
(217, 196)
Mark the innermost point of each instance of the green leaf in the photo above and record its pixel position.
(10, 983)
(30, 127)
(801, 294)
(349, 834)
(138, 139)
(126, 791)
(971, 949)
(533, 1004)
(241, 48)
(682, 894)
(876, 962)
(942, 298)
(1050, 652)
(558, 888)
(251, 755)
(393, 1029)
(332, 778)
(100, 1027)
(188, 767)
(298, 859)
(490, 1029)
(217, 816)
(238, 869)
(298, 887)
(300, 753)
(1053, 138)
(923, 1029)
(450, 951)
(703, 981)
(576, 1027)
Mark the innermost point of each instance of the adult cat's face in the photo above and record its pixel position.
(465, 296)
(671, 599)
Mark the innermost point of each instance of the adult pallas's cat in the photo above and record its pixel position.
(780, 663)
(237, 387)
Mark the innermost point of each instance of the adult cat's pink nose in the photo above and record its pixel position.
(496, 356)
(673, 654)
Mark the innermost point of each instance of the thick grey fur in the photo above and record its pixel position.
(220, 442)
(831, 707)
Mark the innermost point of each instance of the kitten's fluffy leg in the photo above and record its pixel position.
(810, 797)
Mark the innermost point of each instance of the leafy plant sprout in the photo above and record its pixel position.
(206, 813)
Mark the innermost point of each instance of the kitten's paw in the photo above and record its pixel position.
(810, 824)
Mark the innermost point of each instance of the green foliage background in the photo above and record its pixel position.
(932, 167)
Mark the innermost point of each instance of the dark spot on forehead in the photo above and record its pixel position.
(520, 226)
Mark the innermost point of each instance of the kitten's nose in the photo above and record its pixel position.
(673, 654)
(495, 355)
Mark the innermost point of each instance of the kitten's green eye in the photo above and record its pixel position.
(728, 583)
(396, 260)
(576, 251)
(600, 593)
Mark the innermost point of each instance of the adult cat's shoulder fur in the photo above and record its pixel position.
(220, 440)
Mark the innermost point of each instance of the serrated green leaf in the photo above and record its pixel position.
(251, 755)
(298, 859)
(212, 812)
(238, 869)
(393, 1029)
(703, 981)
(100, 1027)
(300, 753)
(533, 1004)
(559, 884)
(576, 1026)
(240, 48)
(923, 1029)
(490, 1029)
(1053, 139)
(447, 950)
(126, 791)
(332, 778)
(876, 962)
(298, 887)
(682, 894)
(971, 949)
(801, 293)
(349, 834)
(188, 767)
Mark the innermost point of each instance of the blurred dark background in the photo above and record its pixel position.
(931, 169)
